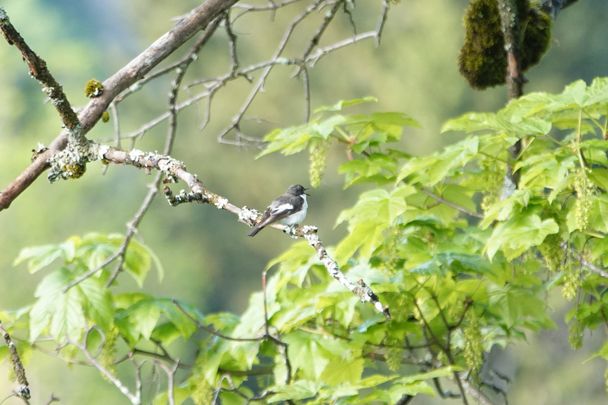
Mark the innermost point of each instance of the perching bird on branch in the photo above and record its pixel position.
(288, 209)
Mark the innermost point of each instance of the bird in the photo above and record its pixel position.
(289, 209)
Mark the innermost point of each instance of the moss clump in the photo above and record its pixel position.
(105, 116)
(536, 39)
(93, 88)
(483, 60)
(73, 170)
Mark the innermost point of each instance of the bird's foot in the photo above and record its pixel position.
(291, 230)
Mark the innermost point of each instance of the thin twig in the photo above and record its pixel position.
(212, 330)
(133, 398)
(23, 391)
(262, 79)
(451, 204)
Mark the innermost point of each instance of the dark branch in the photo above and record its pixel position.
(39, 71)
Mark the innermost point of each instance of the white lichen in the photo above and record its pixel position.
(221, 202)
(102, 150)
(135, 155)
(248, 216)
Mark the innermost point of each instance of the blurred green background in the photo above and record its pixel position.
(209, 260)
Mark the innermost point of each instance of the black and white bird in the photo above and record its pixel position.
(288, 209)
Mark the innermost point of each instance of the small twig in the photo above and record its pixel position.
(190, 57)
(218, 390)
(170, 371)
(133, 398)
(306, 84)
(450, 203)
(234, 57)
(212, 330)
(476, 393)
(52, 399)
(382, 21)
(592, 267)
(23, 391)
(139, 387)
(262, 79)
(327, 18)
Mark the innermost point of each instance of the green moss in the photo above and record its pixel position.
(105, 116)
(536, 39)
(482, 60)
(74, 170)
(93, 88)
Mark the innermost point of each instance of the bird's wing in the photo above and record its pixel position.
(281, 210)
(278, 210)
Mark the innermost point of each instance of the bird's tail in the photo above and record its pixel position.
(255, 230)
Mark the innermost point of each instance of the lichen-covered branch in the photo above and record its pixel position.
(359, 288)
(23, 391)
(174, 170)
(183, 30)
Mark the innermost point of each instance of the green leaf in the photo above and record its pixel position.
(138, 262)
(139, 320)
(39, 257)
(306, 354)
(471, 122)
(518, 234)
(432, 169)
(288, 141)
(507, 208)
(62, 314)
(98, 302)
(340, 105)
(298, 390)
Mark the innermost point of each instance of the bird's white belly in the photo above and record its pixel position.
(298, 217)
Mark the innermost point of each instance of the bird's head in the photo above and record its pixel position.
(297, 189)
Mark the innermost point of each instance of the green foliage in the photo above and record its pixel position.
(362, 134)
(462, 264)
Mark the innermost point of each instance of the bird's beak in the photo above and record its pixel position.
(305, 189)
